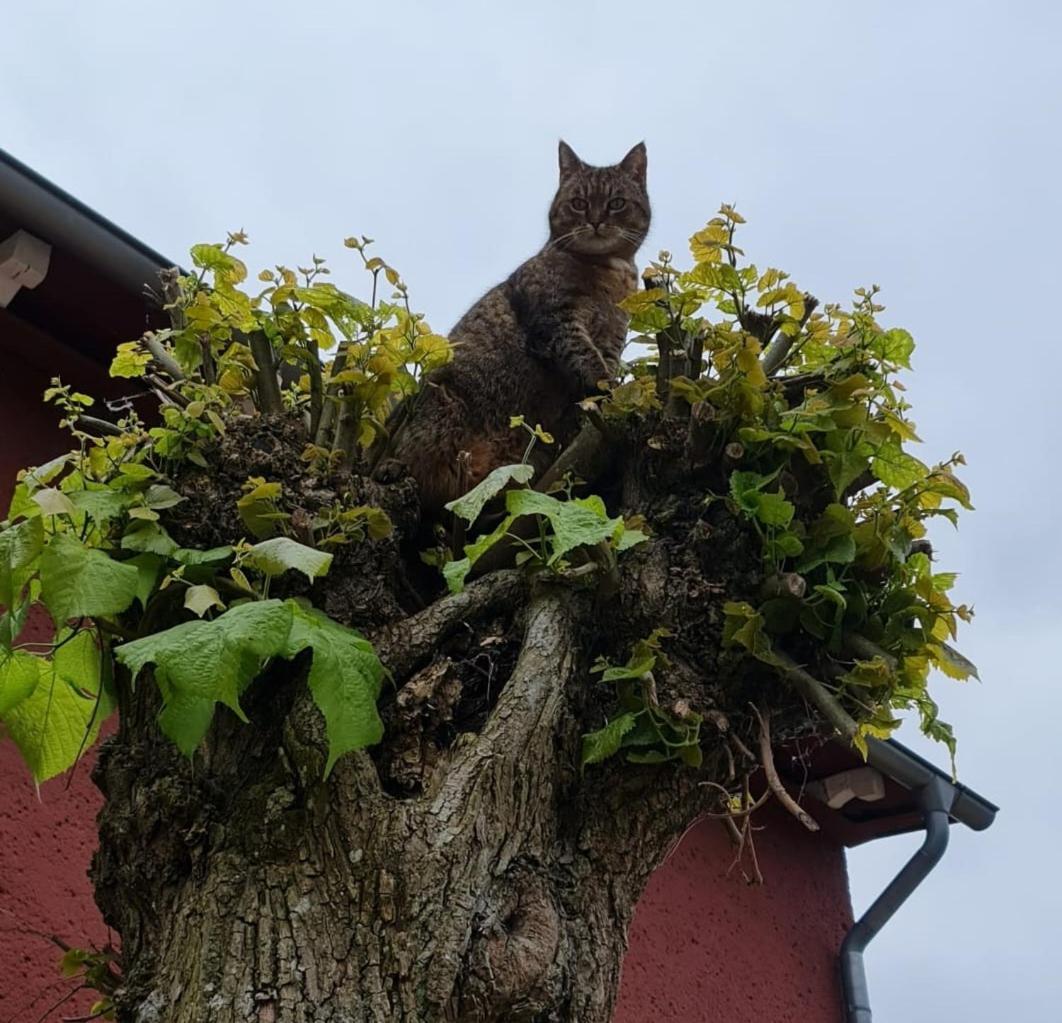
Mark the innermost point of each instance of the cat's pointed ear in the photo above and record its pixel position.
(634, 163)
(569, 162)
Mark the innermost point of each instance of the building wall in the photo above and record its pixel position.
(46, 838)
(704, 946)
(707, 947)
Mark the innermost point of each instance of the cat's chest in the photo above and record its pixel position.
(615, 280)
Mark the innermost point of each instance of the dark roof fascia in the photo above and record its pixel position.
(908, 769)
(61, 220)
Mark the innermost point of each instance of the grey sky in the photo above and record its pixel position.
(915, 145)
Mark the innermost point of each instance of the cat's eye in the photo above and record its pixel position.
(615, 205)
(579, 205)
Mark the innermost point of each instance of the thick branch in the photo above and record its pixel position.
(586, 457)
(405, 645)
(527, 711)
(779, 349)
(266, 374)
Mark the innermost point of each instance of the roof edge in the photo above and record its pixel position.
(67, 223)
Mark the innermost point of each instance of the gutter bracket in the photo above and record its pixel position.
(24, 263)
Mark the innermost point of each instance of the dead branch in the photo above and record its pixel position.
(745, 811)
(774, 783)
(784, 584)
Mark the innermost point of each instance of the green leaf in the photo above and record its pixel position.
(896, 468)
(148, 538)
(455, 572)
(345, 679)
(574, 523)
(692, 755)
(649, 756)
(200, 599)
(471, 504)
(745, 487)
(605, 742)
(101, 504)
(63, 714)
(160, 496)
(19, 673)
(83, 582)
(743, 626)
(130, 361)
(637, 667)
(894, 346)
(190, 556)
(148, 568)
(276, 556)
(952, 663)
(53, 502)
(774, 510)
(226, 266)
(628, 538)
(838, 550)
(199, 664)
(20, 546)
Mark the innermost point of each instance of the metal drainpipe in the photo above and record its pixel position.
(936, 798)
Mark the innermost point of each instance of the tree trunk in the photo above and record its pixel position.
(247, 889)
(465, 869)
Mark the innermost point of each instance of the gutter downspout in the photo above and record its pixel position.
(936, 798)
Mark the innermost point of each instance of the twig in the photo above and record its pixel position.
(863, 649)
(90, 424)
(331, 401)
(746, 811)
(742, 748)
(773, 781)
(778, 350)
(210, 376)
(162, 357)
(166, 391)
(316, 388)
(757, 875)
(170, 281)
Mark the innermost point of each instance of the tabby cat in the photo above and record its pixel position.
(537, 343)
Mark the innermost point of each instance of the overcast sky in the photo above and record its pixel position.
(912, 144)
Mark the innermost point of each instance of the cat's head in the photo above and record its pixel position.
(600, 211)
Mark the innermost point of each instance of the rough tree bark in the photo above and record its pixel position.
(465, 870)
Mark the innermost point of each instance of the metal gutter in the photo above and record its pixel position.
(942, 801)
(67, 223)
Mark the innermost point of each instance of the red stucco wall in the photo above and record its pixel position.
(704, 946)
